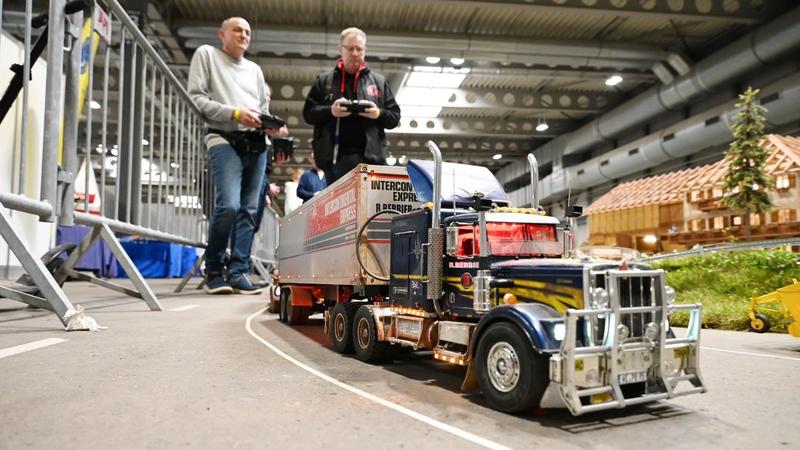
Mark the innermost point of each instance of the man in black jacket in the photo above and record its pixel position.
(343, 139)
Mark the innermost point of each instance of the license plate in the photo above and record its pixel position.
(632, 377)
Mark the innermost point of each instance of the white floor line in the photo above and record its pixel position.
(183, 308)
(11, 351)
(391, 405)
(763, 355)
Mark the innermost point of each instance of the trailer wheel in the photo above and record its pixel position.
(340, 330)
(365, 336)
(760, 324)
(512, 377)
(297, 315)
(286, 298)
(274, 303)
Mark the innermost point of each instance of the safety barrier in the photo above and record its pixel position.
(702, 250)
(125, 115)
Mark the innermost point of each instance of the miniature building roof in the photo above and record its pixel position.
(666, 188)
(671, 187)
(784, 159)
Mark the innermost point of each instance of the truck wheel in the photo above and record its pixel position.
(365, 336)
(512, 377)
(286, 298)
(297, 315)
(340, 330)
(274, 305)
(760, 324)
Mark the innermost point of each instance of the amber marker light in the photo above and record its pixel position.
(509, 299)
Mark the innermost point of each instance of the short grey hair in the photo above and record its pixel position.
(226, 21)
(352, 30)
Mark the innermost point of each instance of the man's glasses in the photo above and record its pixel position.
(354, 48)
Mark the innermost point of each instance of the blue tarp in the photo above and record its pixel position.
(98, 259)
(459, 183)
(156, 259)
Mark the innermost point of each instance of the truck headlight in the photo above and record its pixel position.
(670, 295)
(622, 333)
(559, 331)
(599, 298)
(651, 331)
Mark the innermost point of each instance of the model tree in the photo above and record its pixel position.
(746, 183)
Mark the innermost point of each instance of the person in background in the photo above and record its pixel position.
(312, 181)
(290, 189)
(343, 139)
(230, 92)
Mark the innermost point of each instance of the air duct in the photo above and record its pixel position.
(765, 45)
(708, 129)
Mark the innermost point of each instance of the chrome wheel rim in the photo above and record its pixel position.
(338, 327)
(502, 365)
(363, 333)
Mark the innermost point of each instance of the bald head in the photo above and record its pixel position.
(234, 32)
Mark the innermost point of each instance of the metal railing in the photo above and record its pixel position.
(702, 250)
(132, 126)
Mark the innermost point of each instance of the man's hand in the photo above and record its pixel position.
(337, 110)
(249, 118)
(372, 111)
(274, 189)
(279, 158)
(279, 132)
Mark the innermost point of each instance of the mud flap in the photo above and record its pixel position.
(470, 382)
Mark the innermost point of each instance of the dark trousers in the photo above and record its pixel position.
(238, 181)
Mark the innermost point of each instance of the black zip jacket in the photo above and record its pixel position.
(317, 112)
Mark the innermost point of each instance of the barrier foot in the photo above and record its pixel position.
(191, 273)
(53, 297)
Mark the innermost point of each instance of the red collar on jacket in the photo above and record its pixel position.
(340, 66)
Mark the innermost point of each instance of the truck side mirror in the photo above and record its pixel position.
(451, 239)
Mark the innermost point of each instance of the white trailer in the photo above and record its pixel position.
(317, 251)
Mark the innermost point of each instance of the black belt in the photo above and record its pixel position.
(244, 141)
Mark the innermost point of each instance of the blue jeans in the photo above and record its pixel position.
(238, 178)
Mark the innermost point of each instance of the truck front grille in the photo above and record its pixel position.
(631, 290)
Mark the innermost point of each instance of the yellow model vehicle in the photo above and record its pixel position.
(788, 300)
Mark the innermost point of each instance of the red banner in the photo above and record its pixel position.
(333, 210)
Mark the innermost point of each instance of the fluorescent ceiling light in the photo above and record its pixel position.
(457, 61)
(433, 77)
(613, 80)
(95, 105)
(497, 156)
(432, 59)
(542, 126)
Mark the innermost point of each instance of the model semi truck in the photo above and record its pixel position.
(433, 257)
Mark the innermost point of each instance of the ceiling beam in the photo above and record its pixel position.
(312, 65)
(712, 11)
(502, 49)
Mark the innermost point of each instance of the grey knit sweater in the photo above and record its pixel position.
(219, 84)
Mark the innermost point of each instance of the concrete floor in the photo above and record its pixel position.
(196, 377)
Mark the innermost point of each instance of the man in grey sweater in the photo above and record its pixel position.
(230, 92)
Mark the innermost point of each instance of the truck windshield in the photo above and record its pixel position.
(510, 239)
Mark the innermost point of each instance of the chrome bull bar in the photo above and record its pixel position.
(597, 372)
